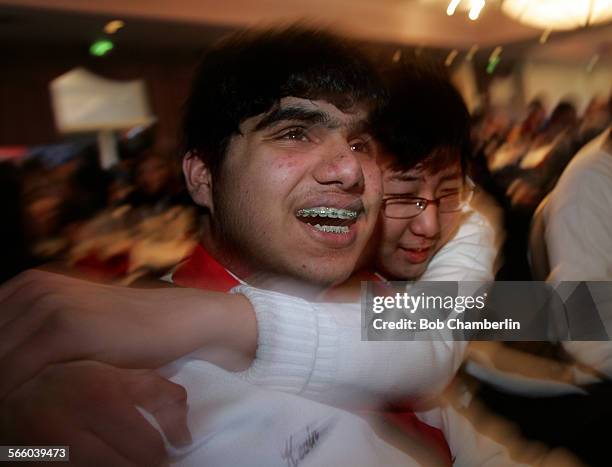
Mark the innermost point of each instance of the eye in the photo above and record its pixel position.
(295, 134)
(449, 191)
(363, 146)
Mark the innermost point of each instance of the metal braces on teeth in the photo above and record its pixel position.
(332, 228)
(327, 212)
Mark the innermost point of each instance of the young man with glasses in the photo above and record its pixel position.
(428, 230)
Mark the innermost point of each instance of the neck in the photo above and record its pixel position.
(230, 258)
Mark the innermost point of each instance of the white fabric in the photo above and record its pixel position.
(578, 235)
(236, 424)
(578, 217)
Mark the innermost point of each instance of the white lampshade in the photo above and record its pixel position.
(559, 14)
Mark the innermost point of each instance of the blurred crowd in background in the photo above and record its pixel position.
(136, 219)
(518, 159)
(117, 225)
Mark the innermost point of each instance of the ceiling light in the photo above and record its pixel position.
(558, 14)
(452, 7)
(113, 26)
(475, 9)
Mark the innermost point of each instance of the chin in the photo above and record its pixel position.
(327, 275)
(405, 272)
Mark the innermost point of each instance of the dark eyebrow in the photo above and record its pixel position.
(404, 177)
(451, 176)
(299, 114)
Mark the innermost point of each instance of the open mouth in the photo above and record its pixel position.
(328, 219)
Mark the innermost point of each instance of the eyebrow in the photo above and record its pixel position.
(299, 114)
(404, 177)
(411, 178)
(311, 117)
(451, 176)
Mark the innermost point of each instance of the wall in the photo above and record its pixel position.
(26, 117)
(558, 81)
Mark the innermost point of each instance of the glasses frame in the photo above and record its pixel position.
(468, 188)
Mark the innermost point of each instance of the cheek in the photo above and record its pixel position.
(392, 232)
(448, 224)
(373, 178)
(281, 175)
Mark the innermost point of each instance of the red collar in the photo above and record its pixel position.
(201, 271)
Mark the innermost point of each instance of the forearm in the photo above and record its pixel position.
(49, 318)
(218, 327)
(315, 350)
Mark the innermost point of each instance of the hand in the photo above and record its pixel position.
(48, 318)
(90, 407)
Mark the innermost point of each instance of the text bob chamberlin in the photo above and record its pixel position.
(438, 324)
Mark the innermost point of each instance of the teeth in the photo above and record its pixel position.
(328, 212)
(337, 229)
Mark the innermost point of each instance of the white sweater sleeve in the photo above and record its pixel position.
(315, 350)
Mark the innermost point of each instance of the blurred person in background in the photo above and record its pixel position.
(142, 230)
(519, 139)
(549, 153)
(529, 179)
(156, 183)
(43, 194)
(577, 215)
(595, 119)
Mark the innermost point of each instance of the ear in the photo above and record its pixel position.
(199, 180)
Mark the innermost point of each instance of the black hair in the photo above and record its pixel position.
(249, 72)
(425, 121)
(563, 115)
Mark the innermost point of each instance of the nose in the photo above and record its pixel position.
(426, 224)
(340, 166)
